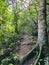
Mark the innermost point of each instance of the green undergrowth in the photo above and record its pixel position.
(10, 60)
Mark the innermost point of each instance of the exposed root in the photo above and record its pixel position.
(36, 61)
(29, 55)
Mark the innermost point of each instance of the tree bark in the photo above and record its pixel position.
(42, 28)
(42, 24)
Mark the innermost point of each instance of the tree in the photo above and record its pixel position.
(42, 28)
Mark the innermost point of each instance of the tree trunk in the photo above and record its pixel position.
(42, 27)
(42, 24)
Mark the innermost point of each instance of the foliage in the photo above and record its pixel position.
(14, 22)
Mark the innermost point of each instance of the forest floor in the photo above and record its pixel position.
(26, 45)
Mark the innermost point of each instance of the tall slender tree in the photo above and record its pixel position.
(42, 27)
